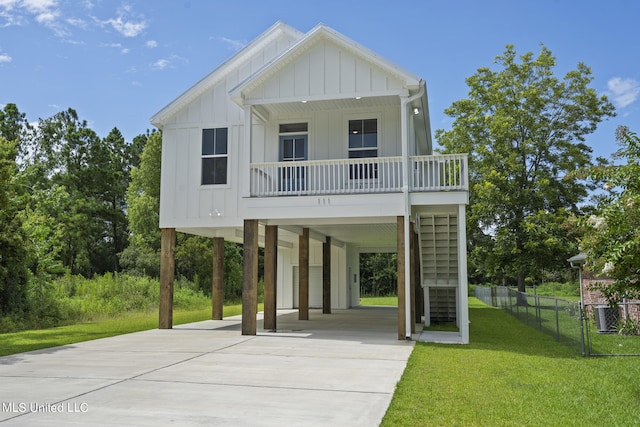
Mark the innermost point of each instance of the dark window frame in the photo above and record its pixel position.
(363, 143)
(215, 156)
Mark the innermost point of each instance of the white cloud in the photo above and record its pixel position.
(39, 6)
(233, 44)
(5, 58)
(77, 22)
(8, 4)
(124, 24)
(161, 64)
(123, 50)
(151, 44)
(44, 12)
(88, 4)
(623, 91)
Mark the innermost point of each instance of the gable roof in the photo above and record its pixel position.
(303, 43)
(322, 32)
(277, 30)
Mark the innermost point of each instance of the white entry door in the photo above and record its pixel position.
(315, 287)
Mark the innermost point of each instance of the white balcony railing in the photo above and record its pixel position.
(353, 176)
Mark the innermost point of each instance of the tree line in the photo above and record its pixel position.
(75, 203)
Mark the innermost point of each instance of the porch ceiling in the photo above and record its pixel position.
(379, 235)
(376, 234)
(297, 106)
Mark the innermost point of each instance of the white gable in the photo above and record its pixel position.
(325, 71)
(324, 65)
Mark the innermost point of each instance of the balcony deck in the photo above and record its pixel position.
(434, 173)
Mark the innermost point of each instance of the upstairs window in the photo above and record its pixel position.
(363, 143)
(214, 156)
(363, 138)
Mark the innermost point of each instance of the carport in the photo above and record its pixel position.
(289, 248)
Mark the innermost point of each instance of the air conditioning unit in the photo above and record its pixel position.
(607, 319)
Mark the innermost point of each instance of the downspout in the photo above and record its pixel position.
(244, 154)
(404, 136)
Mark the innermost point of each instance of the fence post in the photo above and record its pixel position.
(557, 321)
(538, 312)
(581, 329)
(587, 332)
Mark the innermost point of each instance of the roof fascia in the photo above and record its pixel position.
(279, 28)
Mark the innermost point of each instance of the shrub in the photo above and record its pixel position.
(629, 326)
(72, 299)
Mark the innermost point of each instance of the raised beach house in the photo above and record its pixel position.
(318, 150)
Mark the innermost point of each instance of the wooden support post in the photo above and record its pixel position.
(250, 277)
(418, 297)
(326, 276)
(401, 279)
(217, 285)
(270, 277)
(303, 275)
(412, 279)
(167, 271)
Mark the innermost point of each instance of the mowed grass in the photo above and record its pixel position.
(513, 375)
(387, 301)
(18, 342)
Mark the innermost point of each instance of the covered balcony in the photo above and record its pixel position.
(431, 173)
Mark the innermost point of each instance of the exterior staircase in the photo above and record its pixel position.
(439, 266)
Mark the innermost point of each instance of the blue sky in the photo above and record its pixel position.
(119, 62)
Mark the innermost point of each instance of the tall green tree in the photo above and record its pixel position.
(142, 256)
(95, 172)
(111, 160)
(14, 275)
(378, 273)
(64, 146)
(15, 127)
(524, 130)
(612, 237)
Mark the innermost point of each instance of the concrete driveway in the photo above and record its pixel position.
(332, 370)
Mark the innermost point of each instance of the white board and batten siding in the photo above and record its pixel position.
(325, 71)
(184, 201)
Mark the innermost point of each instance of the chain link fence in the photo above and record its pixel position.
(602, 331)
(613, 331)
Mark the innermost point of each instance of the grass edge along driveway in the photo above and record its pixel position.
(513, 375)
(35, 339)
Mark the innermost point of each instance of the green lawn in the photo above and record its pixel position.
(392, 300)
(513, 375)
(18, 342)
